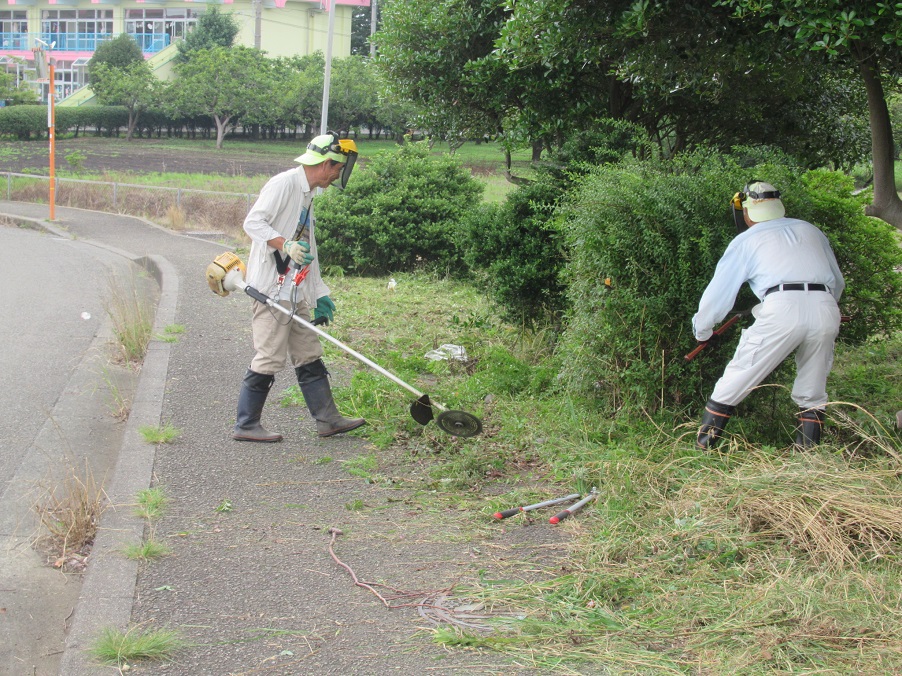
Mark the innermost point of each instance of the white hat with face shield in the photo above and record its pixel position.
(762, 201)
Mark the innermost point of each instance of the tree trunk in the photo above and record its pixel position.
(221, 124)
(886, 205)
(133, 114)
(537, 151)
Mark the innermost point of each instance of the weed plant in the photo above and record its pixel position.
(159, 434)
(148, 550)
(755, 558)
(151, 503)
(70, 511)
(132, 318)
(120, 648)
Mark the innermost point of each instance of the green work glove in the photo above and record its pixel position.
(324, 308)
(299, 252)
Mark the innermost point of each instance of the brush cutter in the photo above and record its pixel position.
(226, 273)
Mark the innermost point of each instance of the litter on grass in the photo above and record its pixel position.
(447, 351)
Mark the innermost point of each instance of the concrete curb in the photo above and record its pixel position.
(108, 588)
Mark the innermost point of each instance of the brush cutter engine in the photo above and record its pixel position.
(218, 270)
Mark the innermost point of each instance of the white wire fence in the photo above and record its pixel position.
(176, 208)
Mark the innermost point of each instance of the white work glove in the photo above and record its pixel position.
(299, 252)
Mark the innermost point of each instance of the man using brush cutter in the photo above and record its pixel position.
(790, 266)
(283, 265)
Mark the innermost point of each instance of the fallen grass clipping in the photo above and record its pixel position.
(120, 648)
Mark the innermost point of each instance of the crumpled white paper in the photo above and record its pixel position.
(447, 351)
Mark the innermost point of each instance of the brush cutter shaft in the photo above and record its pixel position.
(263, 298)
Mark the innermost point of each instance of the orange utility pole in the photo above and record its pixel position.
(51, 132)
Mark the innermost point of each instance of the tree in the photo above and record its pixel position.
(299, 94)
(13, 94)
(441, 58)
(120, 52)
(541, 71)
(352, 96)
(213, 29)
(866, 34)
(361, 29)
(133, 86)
(224, 83)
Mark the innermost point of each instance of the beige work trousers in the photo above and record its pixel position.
(279, 339)
(806, 322)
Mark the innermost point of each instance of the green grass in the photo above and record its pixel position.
(146, 551)
(151, 502)
(117, 648)
(754, 559)
(159, 434)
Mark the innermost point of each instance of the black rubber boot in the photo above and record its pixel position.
(811, 423)
(714, 419)
(251, 399)
(314, 381)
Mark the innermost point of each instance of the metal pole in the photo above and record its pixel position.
(372, 28)
(258, 18)
(327, 80)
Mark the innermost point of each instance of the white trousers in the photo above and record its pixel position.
(806, 322)
(278, 339)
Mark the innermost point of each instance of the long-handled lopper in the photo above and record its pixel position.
(528, 508)
(226, 274)
(723, 328)
(560, 516)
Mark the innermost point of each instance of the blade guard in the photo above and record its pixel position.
(222, 265)
(421, 410)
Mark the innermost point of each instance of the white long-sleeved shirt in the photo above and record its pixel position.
(780, 251)
(281, 203)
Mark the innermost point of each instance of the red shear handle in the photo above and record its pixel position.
(726, 325)
(507, 512)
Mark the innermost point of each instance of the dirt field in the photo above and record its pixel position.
(143, 156)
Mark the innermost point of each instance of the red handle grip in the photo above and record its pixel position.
(507, 512)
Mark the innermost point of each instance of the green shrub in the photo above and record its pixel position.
(516, 249)
(657, 230)
(23, 122)
(398, 213)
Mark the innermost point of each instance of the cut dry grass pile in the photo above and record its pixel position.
(838, 512)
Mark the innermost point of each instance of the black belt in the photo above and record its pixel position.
(795, 287)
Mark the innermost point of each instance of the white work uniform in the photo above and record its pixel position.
(283, 202)
(768, 254)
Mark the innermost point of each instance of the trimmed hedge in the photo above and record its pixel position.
(656, 230)
(399, 213)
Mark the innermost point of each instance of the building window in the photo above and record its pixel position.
(173, 22)
(13, 29)
(72, 29)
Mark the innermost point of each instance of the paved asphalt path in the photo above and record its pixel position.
(56, 420)
(250, 583)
